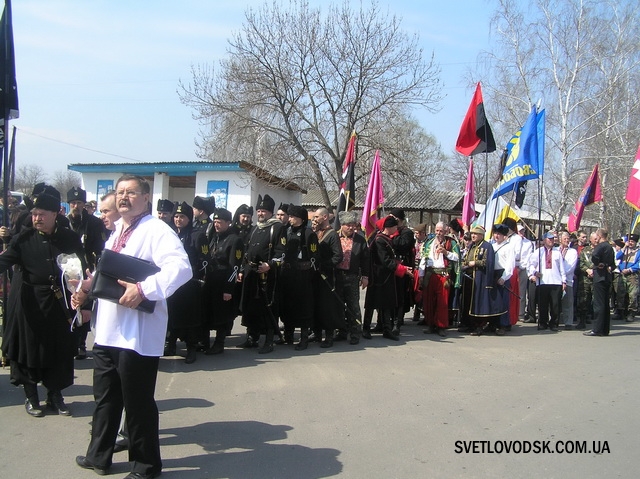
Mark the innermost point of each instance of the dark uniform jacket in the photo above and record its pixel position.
(37, 333)
(92, 234)
(297, 280)
(266, 243)
(222, 260)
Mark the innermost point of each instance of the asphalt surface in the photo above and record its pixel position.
(379, 409)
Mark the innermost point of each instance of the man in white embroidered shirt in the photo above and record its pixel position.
(546, 268)
(128, 343)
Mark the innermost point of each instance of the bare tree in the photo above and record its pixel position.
(27, 176)
(64, 180)
(581, 58)
(296, 83)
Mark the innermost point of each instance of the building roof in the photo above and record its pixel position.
(182, 173)
(428, 200)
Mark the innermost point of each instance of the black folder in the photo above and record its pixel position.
(114, 266)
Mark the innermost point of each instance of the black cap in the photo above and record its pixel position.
(633, 237)
(501, 228)
(398, 213)
(165, 206)
(47, 202)
(208, 205)
(390, 221)
(184, 209)
(298, 212)
(222, 214)
(76, 194)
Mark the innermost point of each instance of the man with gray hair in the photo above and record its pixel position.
(439, 257)
(352, 272)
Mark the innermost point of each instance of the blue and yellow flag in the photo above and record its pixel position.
(525, 160)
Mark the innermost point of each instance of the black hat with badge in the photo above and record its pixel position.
(265, 203)
(76, 194)
(165, 206)
(634, 237)
(222, 214)
(184, 209)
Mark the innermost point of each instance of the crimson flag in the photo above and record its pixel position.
(591, 193)
(475, 133)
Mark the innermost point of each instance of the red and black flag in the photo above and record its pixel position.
(348, 186)
(475, 133)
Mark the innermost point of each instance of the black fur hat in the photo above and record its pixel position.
(265, 203)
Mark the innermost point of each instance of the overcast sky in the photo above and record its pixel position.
(97, 79)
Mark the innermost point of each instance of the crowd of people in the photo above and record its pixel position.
(292, 272)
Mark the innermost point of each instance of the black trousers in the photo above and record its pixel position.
(601, 313)
(124, 378)
(549, 296)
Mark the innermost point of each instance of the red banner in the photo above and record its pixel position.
(633, 190)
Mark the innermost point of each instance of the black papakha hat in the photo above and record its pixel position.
(265, 203)
(45, 201)
(165, 206)
(222, 214)
(76, 194)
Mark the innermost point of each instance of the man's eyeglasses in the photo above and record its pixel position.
(128, 193)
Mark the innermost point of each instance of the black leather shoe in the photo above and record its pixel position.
(84, 463)
(137, 475)
(391, 336)
(266, 348)
(302, 345)
(191, 356)
(248, 343)
(55, 402)
(354, 340)
(327, 343)
(82, 353)
(341, 336)
(217, 348)
(366, 334)
(119, 448)
(33, 409)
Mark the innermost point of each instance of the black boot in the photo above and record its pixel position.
(32, 403)
(170, 345)
(304, 340)
(387, 326)
(191, 353)
(328, 340)
(396, 326)
(250, 342)
(267, 347)
(55, 402)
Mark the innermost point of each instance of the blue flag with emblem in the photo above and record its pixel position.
(525, 160)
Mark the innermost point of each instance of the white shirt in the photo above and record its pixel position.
(570, 263)
(152, 240)
(526, 250)
(505, 258)
(555, 275)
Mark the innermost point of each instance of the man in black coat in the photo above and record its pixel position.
(263, 254)
(93, 234)
(603, 258)
(223, 256)
(37, 339)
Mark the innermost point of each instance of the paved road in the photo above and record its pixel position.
(376, 410)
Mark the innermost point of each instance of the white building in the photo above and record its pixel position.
(231, 183)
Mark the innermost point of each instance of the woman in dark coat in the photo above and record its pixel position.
(296, 291)
(184, 305)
